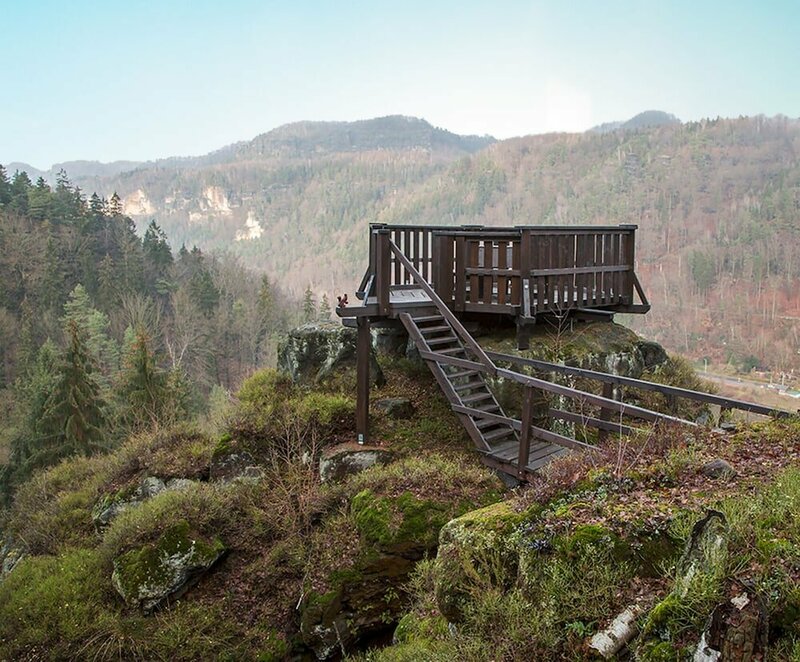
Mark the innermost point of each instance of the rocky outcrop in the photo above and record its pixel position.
(313, 352)
(111, 505)
(11, 553)
(476, 551)
(339, 462)
(368, 592)
(395, 407)
(150, 577)
(227, 467)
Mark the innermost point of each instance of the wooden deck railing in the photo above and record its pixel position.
(520, 270)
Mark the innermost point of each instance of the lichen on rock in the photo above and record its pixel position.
(151, 576)
(313, 352)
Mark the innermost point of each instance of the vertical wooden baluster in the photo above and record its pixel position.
(397, 235)
(608, 260)
(383, 271)
(489, 262)
(426, 258)
(618, 257)
(502, 280)
(461, 276)
(596, 260)
(474, 252)
(564, 241)
(542, 253)
(605, 414)
(630, 257)
(552, 281)
(407, 252)
(516, 266)
(580, 263)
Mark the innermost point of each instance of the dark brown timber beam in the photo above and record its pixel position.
(619, 380)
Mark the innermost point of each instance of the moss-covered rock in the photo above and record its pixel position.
(313, 352)
(336, 464)
(152, 575)
(112, 505)
(393, 520)
(476, 551)
(367, 593)
(398, 523)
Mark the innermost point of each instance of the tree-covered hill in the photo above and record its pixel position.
(104, 332)
(717, 202)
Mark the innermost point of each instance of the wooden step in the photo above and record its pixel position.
(490, 407)
(468, 386)
(434, 342)
(533, 465)
(486, 424)
(426, 330)
(494, 435)
(476, 397)
(424, 319)
(451, 351)
(461, 373)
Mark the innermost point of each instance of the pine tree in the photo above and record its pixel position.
(20, 185)
(309, 306)
(73, 417)
(204, 292)
(157, 259)
(325, 309)
(107, 286)
(39, 200)
(143, 385)
(115, 205)
(31, 393)
(5, 188)
(93, 326)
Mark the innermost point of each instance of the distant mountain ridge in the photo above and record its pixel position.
(76, 169)
(643, 120)
(393, 132)
(390, 132)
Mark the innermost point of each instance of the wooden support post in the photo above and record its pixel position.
(382, 270)
(525, 432)
(364, 341)
(605, 414)
(523, 334)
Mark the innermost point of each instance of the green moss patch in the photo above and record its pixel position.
(150, 576)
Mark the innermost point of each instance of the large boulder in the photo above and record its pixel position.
(465, 544)
(368, 592)
(339, 462)
(112, 505)
(149, 577)
(313, 352)
(395, 407)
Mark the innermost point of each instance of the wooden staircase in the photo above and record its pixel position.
(465, 387)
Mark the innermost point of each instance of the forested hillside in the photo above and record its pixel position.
(103, 333)
(718, 204)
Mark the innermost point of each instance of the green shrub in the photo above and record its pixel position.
(52, 603)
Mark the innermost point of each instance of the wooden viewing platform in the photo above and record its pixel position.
(430, 279)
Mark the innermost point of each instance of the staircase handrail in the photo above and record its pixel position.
(465, 336)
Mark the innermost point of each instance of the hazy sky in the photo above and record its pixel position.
(139, 79)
